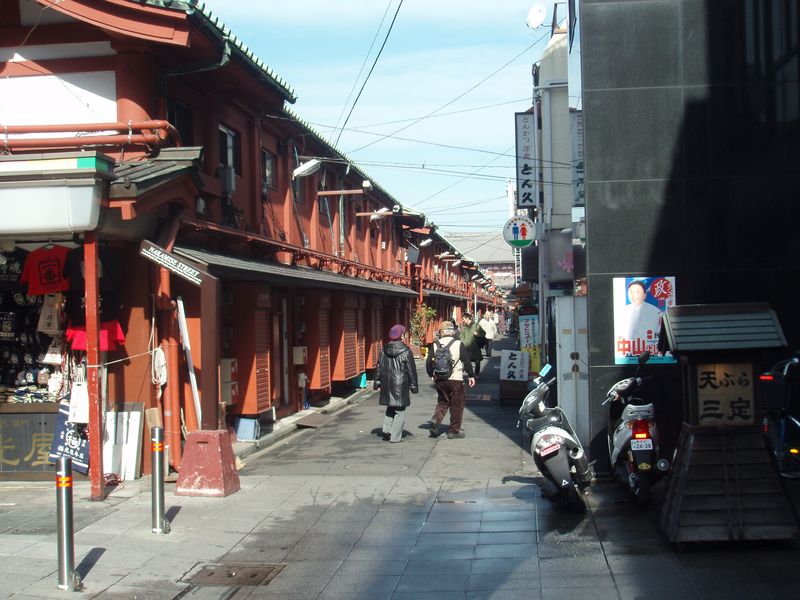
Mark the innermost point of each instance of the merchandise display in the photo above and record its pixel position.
(43, 320)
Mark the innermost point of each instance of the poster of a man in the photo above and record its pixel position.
(639, 305)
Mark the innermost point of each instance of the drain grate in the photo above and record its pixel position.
(236, 574)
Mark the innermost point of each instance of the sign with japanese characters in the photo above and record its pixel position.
(639, 306)
(25, 440)
(513, 365)
(725, 394)
(70, 440)
(527, 173)
(529, 341)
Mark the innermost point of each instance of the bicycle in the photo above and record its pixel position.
(782, 428)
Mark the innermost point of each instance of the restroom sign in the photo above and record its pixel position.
(519, 232)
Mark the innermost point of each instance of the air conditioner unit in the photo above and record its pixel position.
(227, 177)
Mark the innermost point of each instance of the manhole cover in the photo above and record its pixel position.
(236, 574)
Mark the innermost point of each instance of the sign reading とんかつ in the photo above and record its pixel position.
(514, 365)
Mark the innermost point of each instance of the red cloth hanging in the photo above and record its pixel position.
(111, 336)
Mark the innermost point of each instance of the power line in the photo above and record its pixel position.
(481, 82)
(416, 141)
(361, 70)
(372, 68)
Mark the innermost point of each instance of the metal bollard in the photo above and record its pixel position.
(158, 521)
(68, 578)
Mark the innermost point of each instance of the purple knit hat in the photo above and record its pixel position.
(396, 332)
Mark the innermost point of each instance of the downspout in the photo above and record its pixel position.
(170, 342)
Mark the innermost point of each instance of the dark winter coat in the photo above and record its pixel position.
(470, 336)
(396, 375)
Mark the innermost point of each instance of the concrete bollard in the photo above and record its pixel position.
(68, 578)
(158, 521)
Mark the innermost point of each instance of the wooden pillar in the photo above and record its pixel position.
(90, 258)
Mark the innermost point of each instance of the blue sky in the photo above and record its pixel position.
(453, 165)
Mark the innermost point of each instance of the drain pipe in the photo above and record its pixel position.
(170, 341)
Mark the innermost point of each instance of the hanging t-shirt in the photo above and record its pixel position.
(44, 271)
(106, 269)
(110, 335)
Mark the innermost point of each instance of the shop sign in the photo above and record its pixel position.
(70, 440)
(171, 262)
(529, 341)
(725, 394)
(527, 189)
(25, 440)
(513, 365)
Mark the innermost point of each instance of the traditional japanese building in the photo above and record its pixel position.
(159, 194)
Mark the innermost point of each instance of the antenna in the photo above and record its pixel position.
(536, 16)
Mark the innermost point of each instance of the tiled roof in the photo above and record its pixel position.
(223, 32)
(135, 177)
(486, 247)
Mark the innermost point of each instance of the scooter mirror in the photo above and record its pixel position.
(643, 357)
(544, 371)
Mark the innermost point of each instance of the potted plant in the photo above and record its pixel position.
(420, 318)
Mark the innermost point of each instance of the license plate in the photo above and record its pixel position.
(549, 449)
(641, 444)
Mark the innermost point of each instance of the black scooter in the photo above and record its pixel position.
(556, 450)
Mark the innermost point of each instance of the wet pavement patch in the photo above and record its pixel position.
(236, 574)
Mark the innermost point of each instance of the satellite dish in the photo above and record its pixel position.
(536, 16)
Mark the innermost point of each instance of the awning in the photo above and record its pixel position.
(230, 267)
(699, 327)
(445, 295)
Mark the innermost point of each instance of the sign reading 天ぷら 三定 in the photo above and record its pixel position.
(725, 394)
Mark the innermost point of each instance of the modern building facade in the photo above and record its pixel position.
(691, 114)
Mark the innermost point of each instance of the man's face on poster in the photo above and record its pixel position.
(636, 294)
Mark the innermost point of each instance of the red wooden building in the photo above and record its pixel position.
(150, 142)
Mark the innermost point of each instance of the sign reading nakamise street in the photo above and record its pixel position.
(169, 261)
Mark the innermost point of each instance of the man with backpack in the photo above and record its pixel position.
(447, 362)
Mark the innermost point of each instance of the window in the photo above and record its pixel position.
(181, 118)
(359, 222)
(230, 154)
(268, 176)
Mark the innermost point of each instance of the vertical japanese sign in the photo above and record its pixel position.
(639, 306)
(725, 394)
(514, 365)
(527, 172)
(529, 341)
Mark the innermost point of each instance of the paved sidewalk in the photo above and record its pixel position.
(347, 516)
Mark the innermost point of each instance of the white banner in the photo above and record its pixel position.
(513, 365)
(527, 171)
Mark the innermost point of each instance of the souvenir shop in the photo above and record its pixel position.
(43, 351)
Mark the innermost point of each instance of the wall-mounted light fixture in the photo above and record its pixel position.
(307, 168)
(426, 242)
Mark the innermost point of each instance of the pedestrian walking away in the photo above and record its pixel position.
(490, 329)
(470, 333)
(447, 364)
(396, 378)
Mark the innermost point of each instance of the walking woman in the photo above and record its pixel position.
(395, 377)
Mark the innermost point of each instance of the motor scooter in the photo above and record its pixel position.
(556, 450)
(633, 436)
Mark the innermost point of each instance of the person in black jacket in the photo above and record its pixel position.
(395, 377)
